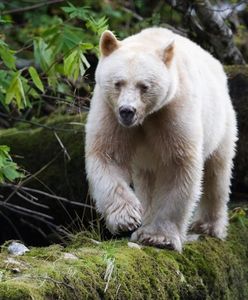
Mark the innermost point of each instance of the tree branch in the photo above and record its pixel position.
(208, 22)
(219, 34)
(31, 7)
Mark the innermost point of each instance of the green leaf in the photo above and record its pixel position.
(75, 63)
(12, 90)
(16, 92)
(84, 60)
(86, 46)
(7, 56)
(10, 172)
(8, 169)
(21, 91)
(97, 26)
(42, 54)
(69, 62)
(4, 151)
(77, 12)
(36, 78)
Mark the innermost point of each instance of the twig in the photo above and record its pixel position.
(46, 278)
(35, 123)
(49, 195)
(32, 176)
(25, 210)
(109, 271)
(31, 7)
(31, 201)
(62, 146)
(33, 216)
(134, 14)
(231, 7)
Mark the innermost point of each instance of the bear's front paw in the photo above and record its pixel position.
(165, 236)
(216, 229)
(124, 216)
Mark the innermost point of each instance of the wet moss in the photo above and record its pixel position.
(207, 269)
(234, 70)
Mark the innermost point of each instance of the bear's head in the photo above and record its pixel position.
(135, 78)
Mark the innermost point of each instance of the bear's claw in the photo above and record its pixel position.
(215, 229)
(126, 217)
(151, 236)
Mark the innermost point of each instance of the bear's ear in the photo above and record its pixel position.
(168, 52)
(108, 43)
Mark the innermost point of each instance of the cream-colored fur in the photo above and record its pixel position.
(179, 146)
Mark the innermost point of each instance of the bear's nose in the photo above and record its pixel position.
(127, 113)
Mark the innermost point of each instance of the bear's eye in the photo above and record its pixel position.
(119, 84)
(143, 87)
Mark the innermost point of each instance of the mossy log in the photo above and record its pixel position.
(86, 269)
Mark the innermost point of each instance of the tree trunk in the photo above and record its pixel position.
(208, 23)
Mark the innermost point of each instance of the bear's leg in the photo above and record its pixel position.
(143, 181)
(114, 198)
(176, 190)
(212, 214)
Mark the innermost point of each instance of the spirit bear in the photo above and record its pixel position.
(160, 119)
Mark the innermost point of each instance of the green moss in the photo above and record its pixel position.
(207, 269)
(234, 70)
(14, 291)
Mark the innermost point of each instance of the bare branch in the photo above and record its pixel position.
(35, 123)
(31, 7)
(24, 188)
(25, 210)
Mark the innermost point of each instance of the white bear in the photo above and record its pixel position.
(160, 118)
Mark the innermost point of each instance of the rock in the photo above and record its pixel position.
(17, 249)
(70, 256)
(134, 245)
(95, 242)
(12, 261)
(192, 238)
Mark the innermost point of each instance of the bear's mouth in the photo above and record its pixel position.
(127, 123)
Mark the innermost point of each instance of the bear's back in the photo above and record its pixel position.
(153, 39)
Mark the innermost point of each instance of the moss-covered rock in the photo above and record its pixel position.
(207, 269)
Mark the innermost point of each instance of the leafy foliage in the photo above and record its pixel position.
(58, 54)
(59, 46)
(8, 169)
(240, 215)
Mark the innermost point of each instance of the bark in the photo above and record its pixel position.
(219, 34)
(207, 22)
